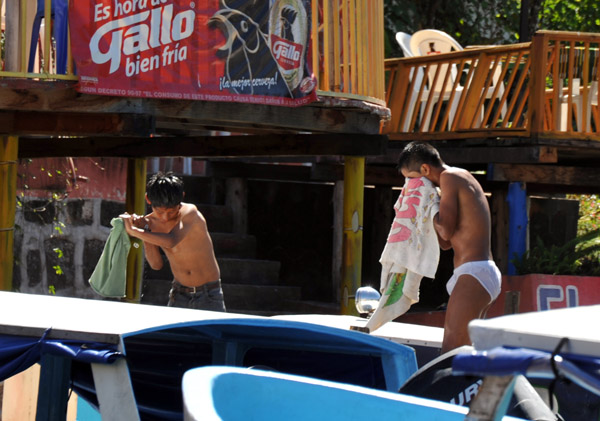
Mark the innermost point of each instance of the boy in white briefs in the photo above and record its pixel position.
(463, 224)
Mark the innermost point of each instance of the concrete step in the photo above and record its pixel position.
(249, 271)
(228, 245)
(240, 298)
(219, 218)
(233, 270)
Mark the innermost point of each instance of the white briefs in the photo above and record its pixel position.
(485, 271)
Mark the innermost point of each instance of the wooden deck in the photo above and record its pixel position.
(44, 115)
(347, 61)
(530, 103)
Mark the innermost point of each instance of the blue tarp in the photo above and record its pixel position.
(18, 353)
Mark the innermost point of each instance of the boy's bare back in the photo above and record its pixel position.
(463, 198)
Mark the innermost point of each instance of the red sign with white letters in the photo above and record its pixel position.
(538, 292)
(255, 51)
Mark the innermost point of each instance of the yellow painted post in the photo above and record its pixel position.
(354, 186)
(8, 206)
(135, 203)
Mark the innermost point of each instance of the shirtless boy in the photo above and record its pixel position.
(179, 229)
(463, 224)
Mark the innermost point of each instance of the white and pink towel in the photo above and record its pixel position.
(412, 250)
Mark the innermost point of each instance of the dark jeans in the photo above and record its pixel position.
(206, 297)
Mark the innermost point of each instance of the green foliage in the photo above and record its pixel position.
(59, 252)
(576, 257)
(589, 213)
(488, 22)
(570, 15)
(470, 22)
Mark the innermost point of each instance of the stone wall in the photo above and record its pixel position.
(58, 243)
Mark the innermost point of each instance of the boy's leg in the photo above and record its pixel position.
(212, 300)
(469, 300)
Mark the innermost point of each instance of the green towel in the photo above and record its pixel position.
(110, 275)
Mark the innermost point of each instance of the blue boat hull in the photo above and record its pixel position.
(230, 393)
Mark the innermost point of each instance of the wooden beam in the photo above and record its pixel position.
(74, 124)
(374, 175)
(328, 115)
(259, 171)
(525, 155)
(545, 174)
(537, 83)
(453, 154)
(206, 146)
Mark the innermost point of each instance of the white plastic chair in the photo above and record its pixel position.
(592, 105)
(432, 41)
(403, 40)
(577, 105)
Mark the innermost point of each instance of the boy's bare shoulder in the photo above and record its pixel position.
(457, 175)
(191, 212)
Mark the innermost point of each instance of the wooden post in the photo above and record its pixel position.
(338, 236)
(539, 59)
(12, 50)
(354, 186)
(135, 202)
(517, 222)
(473, 104)
(499, 210)
(8, 207)
(237, 199)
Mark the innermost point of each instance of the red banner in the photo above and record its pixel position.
(254, 51)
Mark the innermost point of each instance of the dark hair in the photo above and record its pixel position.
(416, 153)
(164, 190)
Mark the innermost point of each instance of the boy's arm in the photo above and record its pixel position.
(445, 221)
(444, 244)
(133, 225)
(166, 240)
(153, 256)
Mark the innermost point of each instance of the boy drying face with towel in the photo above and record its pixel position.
(463, 224)
(180, 230)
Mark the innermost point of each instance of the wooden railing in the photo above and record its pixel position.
(498, 91)
(17, 23)
(347, 36)
(566, 96)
